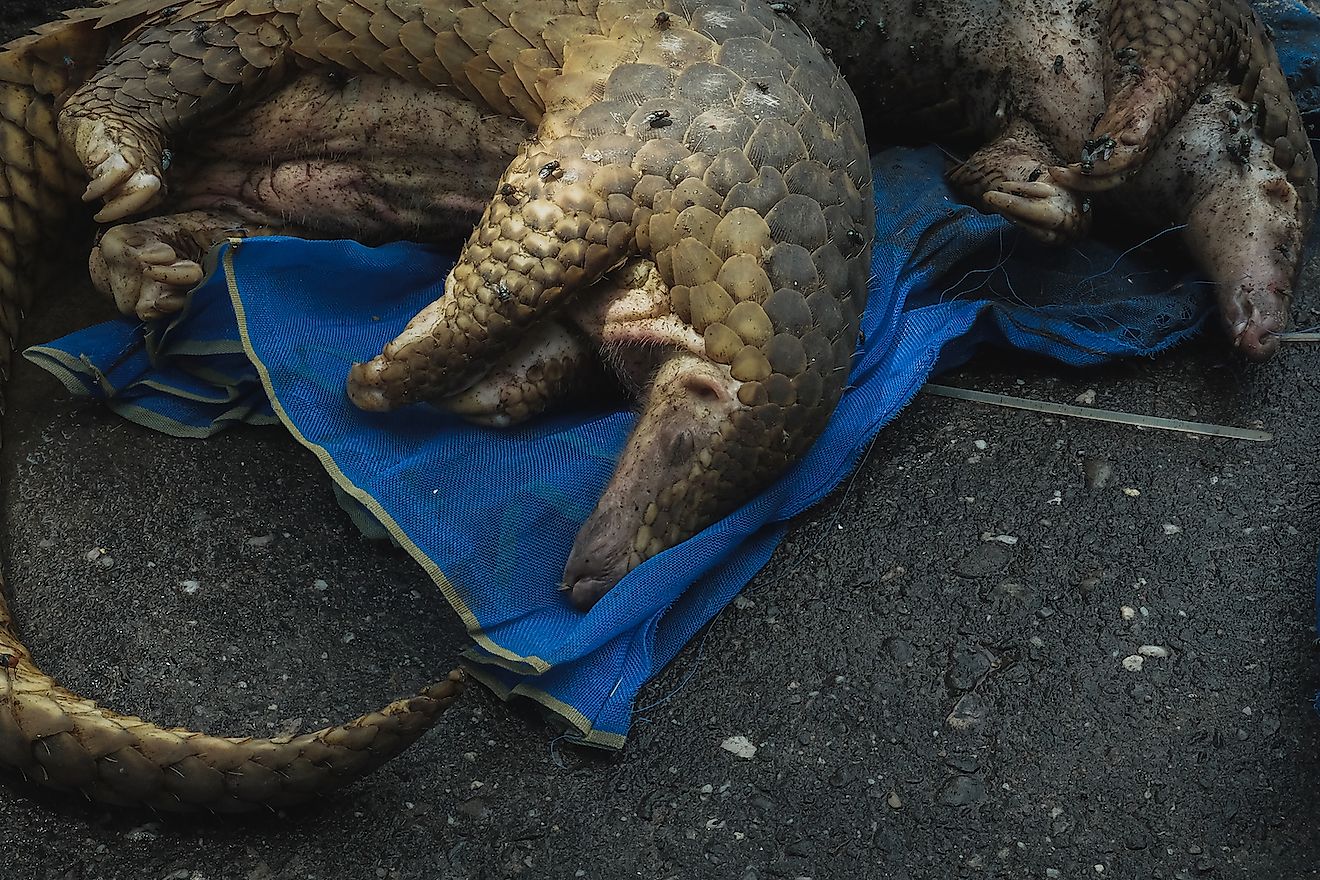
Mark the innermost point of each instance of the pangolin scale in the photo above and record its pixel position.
(678, 187)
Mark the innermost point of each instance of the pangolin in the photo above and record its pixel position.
(679, 189)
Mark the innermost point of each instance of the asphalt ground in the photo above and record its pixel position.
(932, 667)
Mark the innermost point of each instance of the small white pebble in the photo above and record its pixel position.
(1131, 492)
(740, 746)
(1086, 398)
(1153, 651)
(1171, 529)
(1133, 662)
(319, 584)
(742, 603)
(981, 445)
(149, 831)
(347, 637)
(190, 587)
(1128, 612)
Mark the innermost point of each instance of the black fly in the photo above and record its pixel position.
(1240, 150)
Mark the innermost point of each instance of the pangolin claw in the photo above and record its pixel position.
(140, 191)
(107, 175)
(1082, 177)
(1050, 213)
(120, 174)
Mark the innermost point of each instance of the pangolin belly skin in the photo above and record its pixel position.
(683, 184)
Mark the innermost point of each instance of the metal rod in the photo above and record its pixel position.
(1101, 415)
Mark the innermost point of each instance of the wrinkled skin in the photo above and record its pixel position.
(678, 191)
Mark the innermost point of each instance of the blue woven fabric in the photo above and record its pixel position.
(491, 514)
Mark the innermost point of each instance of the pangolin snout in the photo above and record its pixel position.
(599, 560)
(682, 469)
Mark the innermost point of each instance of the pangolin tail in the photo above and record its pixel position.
(49, 735)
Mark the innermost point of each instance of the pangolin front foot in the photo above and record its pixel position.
(566, 215)
(1010, 177)
(1161, 54)
(122, 162)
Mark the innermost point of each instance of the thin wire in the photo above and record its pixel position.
(1136, 246)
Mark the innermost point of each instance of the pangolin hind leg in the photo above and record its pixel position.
(1160, 57)
(149, 266)
(179, 71)
(1010, 176)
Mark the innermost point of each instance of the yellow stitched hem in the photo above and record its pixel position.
(427, 564)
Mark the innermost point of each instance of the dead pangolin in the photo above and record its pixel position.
(682, 186)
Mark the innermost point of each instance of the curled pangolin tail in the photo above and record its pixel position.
(48, 734)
